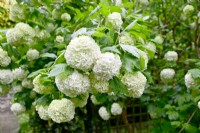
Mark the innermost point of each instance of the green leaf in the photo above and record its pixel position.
(130, 49)
(33, 74)
(131, 25)
(111, 49)
(117, 86)
(190, 128)
(172, 115)
(60, 68)
(99, 34)
(195, 73)
(44, 100)
(48, 55)
(128, 62)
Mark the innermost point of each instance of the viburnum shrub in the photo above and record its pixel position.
(61, 55)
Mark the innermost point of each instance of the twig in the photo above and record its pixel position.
(125, 120)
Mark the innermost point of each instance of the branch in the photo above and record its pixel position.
(125, 120)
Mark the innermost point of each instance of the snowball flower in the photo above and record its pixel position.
(126, 39)
(135, 83)
(171, 56)
(19, 73)
(81, 100)
(104, 114)
(17, 108)
(167, 74)
(65, 17)
(56, 14)
(61, 110)
(144, 2)
(188, 10)
(6, 76)
(116, 109)
(101, 86)
(94, 100)
(17, 12)
(59, 39)
(17, 88)
(42, 85)
(151, 46)
(72, 85)
(118, 2)
(27, 83)
(82, 52)
(115, 20)
(198, 104)
(158, 39)
(4, 58)
(107, 66)
(32, 54)
(21, 34)
(42, 34)
(190, 81)
(43, 112)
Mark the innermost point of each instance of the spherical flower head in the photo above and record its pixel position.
(32, 54)
(135, 83)
(171, 56)
(27, 83)
(17, 13)
(188, 10)
(151, 46)
(115, 20)
(118, 2)
(17, 108)
(82, 52)
(19, 74)
(158, 39)
(190, 82)
(116, 109)
(21, 34)
(61, 110)
(94, 100)
(43, 112)
(167, 75)
(107, 66)
(144, 2)
(6, 76)
(4, 58)
(81, 100)
(126, 39)
(104, 114)
(42, 34)
(17, 88)
(42, 85)
(101, 86)
(65, 17)
(59, 39)
(198, 104)
(74, 84)
(56, 14)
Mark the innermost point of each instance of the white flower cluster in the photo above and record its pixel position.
(158, 39)
(17, 13)
(190, 81)
(65, 17)
(151, 46)
(198, 105)
(6, 76)
(135, 82)
(126, 39)
(104, 114)
(144, 2)
(59, 39)
(101, 86)
(56, 14)
(107, 66)
(166, 75)
(21, 34)
(61, 110)
(4, 58)
(17, 88)
(42, 34)
(171, 56)
(17, 108)
(115, 20)
(43, 112)
(39, 86)
(27, 83)
(73, 85)
(116, 109)
(82, 52)
(32, 54)
(188, 10)
(81, 101)
(19, 73)
(118, 2)
(94, 100)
